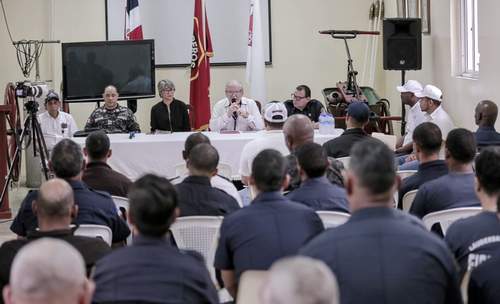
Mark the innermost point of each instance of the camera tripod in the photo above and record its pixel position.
(32, 130)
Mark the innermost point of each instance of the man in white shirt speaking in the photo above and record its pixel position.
(235, 112)
(55, 123)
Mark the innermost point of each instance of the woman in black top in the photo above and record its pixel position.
(169, 114)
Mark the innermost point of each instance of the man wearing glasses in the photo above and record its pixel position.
(301, 103)
(235, 112)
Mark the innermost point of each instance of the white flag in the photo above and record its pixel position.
(255, 57)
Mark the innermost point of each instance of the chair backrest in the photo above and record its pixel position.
(345, 161)
(403, 174)
(389, 140)
(199, 233)
(250, 286)
(223, 169)
(332, 219)
(446, 217)
(97, 231)
(408, 199)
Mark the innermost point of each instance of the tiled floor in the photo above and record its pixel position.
(16, 196)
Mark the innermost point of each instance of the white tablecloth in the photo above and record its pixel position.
(159, 154)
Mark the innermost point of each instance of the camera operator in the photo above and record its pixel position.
(55, 124)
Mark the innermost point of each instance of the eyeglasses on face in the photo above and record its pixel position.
(297, 97)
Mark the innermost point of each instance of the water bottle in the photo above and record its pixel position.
(326, 123)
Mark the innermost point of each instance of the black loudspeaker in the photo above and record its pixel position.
(402, 44)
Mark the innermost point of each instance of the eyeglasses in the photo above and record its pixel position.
(297, 97)
(233, 92)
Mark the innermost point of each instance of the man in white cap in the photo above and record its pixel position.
(275, 115)
(430, 103)
(414, 116)
(55, 124)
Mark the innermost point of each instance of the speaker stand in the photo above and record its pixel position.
(403, 109)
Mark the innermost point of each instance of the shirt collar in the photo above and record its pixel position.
(36, 234)
(436, 112)
(372, 212)
(483, 128)
(316, 180)
(96, 164)
(434, 163)
(269, 196)
(354, 131)
(150, 240)
(201, 180)
(77, 184)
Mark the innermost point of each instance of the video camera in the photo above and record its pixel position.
(26, 89)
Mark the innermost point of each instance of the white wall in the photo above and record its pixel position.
(300, 54)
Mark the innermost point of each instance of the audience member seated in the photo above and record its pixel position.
(275, 115)
(427, 141)
(357, 117)
(169, 114)
(235, 112)
(272, 227)
(301, 103)
(455, 189)
(55, 124)
(217, 181)
(316, 191)
(54, 208)
(48, 271)
(300, 280)
(196, 194)
(486, 115)
(414, 116)
(98, 174)
(94, 207)
(152, 270)
(474, 239)
(112, 117)
(382, 254)
(483, 284)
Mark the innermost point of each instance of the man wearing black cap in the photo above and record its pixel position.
(357, 117)
(55, 124)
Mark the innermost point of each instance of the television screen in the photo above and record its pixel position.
(88, 67)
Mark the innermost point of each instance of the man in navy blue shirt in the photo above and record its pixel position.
(272, 227)
(316, 191)
(196, 194)
(486, 115)
(484, 287)
(152, 270)
(456, 189)
(94, 207)
(474, 239)
(427, 140)
(382, 255)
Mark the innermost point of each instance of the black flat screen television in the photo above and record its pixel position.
(88, 67)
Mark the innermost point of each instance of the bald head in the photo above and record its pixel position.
(55, 200)
(48, 271)
(298, 130)
(486, 113)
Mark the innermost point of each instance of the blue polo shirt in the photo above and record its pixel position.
(320, 194)
(94, 207)
(382, 255)
(153, 271)
(454, 190)
(426, 172)
(255, 236)
(474, 239)
(487, 136)
(484, 284)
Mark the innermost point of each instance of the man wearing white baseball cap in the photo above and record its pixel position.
(275, 115)
(414, 116)
(430, 103)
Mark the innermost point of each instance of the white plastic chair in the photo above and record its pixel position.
(402, 174)
(96, 231)
(408, 199)
(199, 233)
(332, 219)
(389, 140)
(345, 161)
(122, 206)
(446, 217)
(223, 169)
(250, 286)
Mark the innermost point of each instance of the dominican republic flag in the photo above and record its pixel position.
(199, 97)
(255, 68)
(133, 27)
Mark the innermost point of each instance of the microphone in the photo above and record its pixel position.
(235, 113)
(63, 126)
